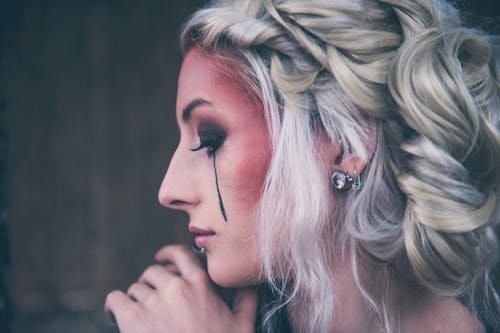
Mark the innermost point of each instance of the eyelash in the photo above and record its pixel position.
(211, 141)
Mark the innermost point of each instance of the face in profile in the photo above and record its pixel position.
(224, 149)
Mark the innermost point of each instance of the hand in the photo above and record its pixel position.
(180, 298)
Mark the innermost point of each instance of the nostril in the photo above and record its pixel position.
(176, 203)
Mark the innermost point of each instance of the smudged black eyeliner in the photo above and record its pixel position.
(212, 140)
(221, 204)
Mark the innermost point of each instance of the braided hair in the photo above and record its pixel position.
(407, 71)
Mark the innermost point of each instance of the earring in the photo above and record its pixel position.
(340, 179)
(357, 182)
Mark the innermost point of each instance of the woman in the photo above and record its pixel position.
(343, 154)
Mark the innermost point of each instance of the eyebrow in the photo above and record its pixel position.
(186, 112)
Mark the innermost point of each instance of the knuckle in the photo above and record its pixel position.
(132, 287)
(151, 271)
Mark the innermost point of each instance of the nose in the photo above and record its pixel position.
(177, 190)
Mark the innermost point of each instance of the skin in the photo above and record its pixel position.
(241, 163)
(179, 294)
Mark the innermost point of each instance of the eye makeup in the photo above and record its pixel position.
(212, 136)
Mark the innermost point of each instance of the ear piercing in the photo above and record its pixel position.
(340, 179)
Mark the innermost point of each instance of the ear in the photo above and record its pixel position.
(349, 162)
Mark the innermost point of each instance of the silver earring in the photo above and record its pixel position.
(357, 183)
(340, 179)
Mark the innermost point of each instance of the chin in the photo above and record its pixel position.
(227, 276)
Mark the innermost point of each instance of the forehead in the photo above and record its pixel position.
(209, 78)
(198, 68)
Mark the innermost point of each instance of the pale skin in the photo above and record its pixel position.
(178, 294)
(180, 297)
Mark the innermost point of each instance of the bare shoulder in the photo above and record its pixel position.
(441, 315)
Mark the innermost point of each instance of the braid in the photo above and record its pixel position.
(429, 206)
(442, 81)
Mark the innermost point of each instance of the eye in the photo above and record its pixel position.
(211, 137)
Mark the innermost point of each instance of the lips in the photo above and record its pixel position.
(201, 236)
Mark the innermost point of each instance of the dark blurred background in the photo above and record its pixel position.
(87, 111)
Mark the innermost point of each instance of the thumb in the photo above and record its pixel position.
(245, 305)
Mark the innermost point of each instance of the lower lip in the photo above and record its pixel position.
(202, 240)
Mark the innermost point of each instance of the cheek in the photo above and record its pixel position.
(248, 171)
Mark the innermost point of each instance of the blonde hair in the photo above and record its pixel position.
(427, 211)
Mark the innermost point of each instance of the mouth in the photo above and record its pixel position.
(201, 236)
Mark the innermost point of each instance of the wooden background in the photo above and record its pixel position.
(90, 89)
(90, 95)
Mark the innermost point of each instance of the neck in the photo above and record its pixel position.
(351, 312)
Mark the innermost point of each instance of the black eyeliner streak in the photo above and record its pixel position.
(221, 204)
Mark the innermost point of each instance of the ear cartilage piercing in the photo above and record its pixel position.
(356, 184)
(340, 179)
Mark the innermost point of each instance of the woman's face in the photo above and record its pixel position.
(215, 112)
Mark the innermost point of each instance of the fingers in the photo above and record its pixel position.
(172, 269)
(245, 304)
(139, 291)
(119, 307)
(184, 259)
(165, 299)
(155, 276)
(161, 254)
